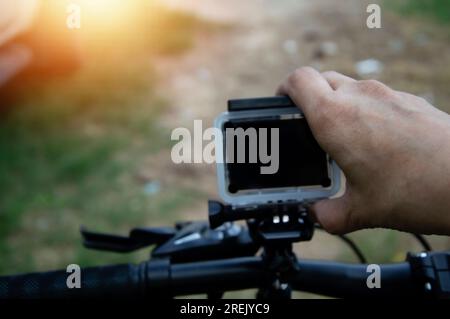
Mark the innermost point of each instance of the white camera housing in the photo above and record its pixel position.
(303, 194)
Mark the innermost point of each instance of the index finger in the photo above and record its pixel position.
(306, 87)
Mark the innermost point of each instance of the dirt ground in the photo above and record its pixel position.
(264, 41)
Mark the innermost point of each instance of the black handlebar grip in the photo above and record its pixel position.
(350, 280)
(106, 281)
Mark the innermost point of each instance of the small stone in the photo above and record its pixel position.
(290, 47)
(368, 67)
(152, 188)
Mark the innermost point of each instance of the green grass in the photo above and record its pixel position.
(70, 150)
(438, 10)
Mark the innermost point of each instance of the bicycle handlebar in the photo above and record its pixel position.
(158, 278)
(105, 281)
(350, 280)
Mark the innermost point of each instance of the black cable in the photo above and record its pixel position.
(352, 246)
(423, 241)
(355, 248)
(420, 238)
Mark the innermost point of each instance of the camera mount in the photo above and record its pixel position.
(278, 223)
(274, 227)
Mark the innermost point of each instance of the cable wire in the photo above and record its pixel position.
(359, 254)
(423, 242)
(354, 247)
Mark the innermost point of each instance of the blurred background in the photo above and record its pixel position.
(86, 114)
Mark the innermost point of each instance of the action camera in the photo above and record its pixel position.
(268, 154)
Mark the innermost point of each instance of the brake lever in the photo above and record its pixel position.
(138, 238)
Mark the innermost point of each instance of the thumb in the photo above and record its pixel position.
(334, 215)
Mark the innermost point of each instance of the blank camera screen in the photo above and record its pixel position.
(302, 162)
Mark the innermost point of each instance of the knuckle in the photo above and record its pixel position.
(370, 84)
(330, 74)
(374, 87)
(299, 75)
(305, 70)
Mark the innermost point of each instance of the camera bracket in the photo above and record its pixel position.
(275, 223)
(274, 227)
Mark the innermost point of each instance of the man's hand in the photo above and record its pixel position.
(393, 147)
